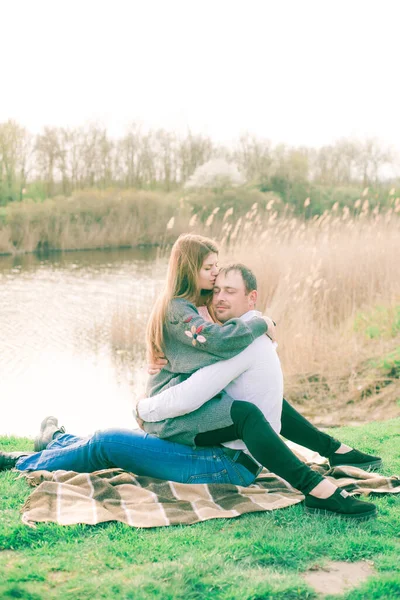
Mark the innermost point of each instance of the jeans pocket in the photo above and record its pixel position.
(240, 474)
(219, 477)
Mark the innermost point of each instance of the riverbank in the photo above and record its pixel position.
(97, 219)
(86, 221)
(263, 555)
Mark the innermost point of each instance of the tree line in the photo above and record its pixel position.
(62, 160)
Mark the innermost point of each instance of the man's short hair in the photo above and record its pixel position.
(250, 281)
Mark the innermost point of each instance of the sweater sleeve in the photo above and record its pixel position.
(184, 326)
(200, 387)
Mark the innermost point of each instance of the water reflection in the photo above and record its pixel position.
(64, 343)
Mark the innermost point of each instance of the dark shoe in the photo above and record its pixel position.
(8, 460)
(342, 505)
(355, 458)
(48, 429)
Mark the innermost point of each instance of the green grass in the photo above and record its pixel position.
(254, 557)
(389, 365)
(380, 322)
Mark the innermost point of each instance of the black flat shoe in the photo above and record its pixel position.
(8, 460)
(340, 504)
(355, 458)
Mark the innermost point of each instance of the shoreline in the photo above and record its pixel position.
(46, 253)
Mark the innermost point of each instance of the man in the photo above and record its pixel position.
(148, 455)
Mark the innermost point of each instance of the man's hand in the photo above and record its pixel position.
(157, 366)
(271, 328)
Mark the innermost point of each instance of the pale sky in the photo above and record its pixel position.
(295, 71)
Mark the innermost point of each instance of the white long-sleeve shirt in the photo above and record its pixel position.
(254, 375)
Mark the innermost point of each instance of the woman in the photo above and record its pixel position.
(191, 274)
(189, 342)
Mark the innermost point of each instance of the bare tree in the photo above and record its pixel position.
(193, 151)
(66, 159)
(254, 157)
(105, 174)
(128, 163)
(165, 153)
(372, 157)
(47, 151)
(16, 148)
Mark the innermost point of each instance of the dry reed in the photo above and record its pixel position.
(90, 220)
(314, 278)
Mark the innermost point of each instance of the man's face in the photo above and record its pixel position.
(230, 299)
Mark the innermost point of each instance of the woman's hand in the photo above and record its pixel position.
(157, 366)
(271, 328)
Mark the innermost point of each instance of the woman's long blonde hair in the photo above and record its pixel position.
(187, 257)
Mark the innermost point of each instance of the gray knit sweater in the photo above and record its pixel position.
(191, 343)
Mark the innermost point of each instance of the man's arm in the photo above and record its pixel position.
(200, 387)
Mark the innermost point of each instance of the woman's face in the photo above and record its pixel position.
(208, 272)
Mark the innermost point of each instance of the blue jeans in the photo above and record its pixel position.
(139, 453)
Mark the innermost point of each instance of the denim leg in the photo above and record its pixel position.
(141, 454)
(63, 440)
(297, 429)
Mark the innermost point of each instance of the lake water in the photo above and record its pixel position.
(62, 320)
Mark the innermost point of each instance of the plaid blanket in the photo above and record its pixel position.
(67, 498)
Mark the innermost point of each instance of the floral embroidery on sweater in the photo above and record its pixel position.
(194, 333)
